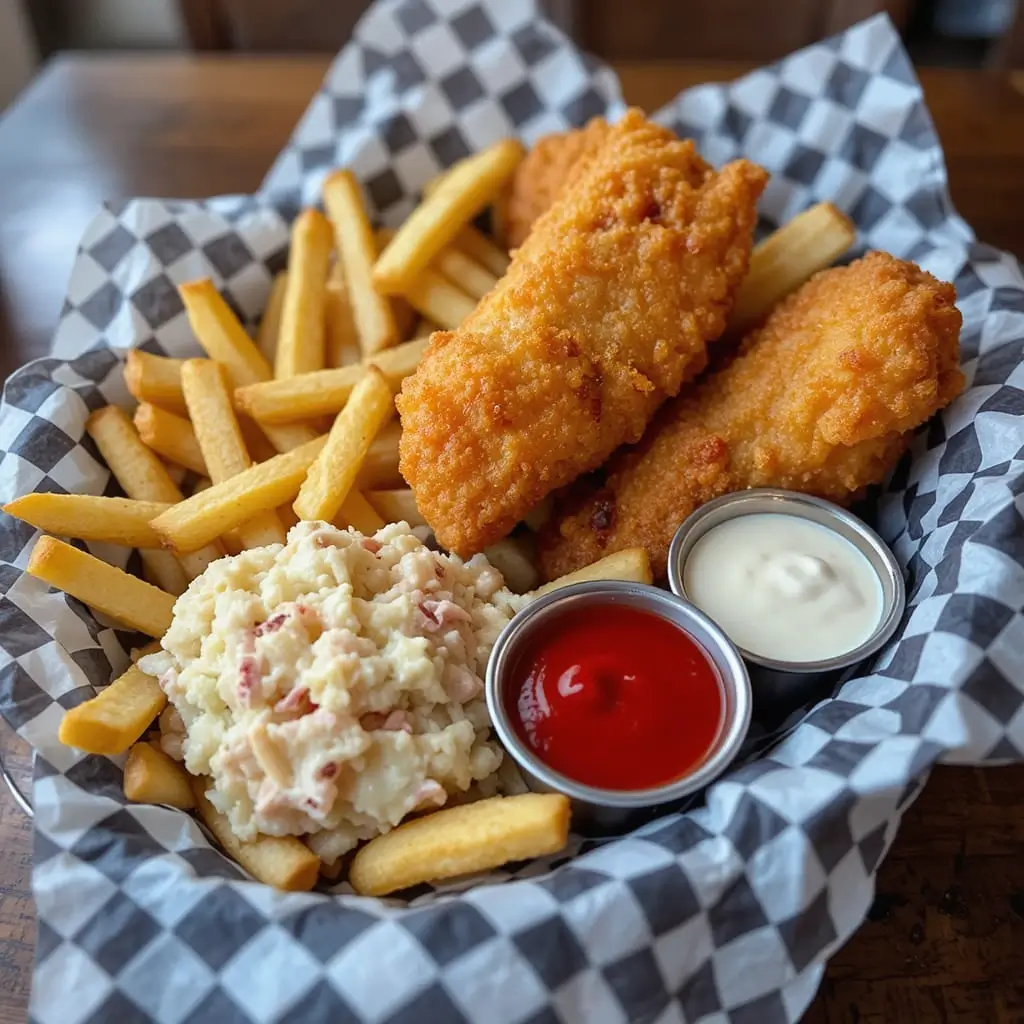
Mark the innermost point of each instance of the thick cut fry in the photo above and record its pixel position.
(539, 514)
(140, 652)
(151, 777)
(499, 219)
(331, 870)
(424, 329)
(325, 392)
(512, 559)
(139, 472)
(144, 477)
(256, 443)
(464, 272)
(476, 244)
(155, 379)
(116, 717)
(169, 435)
(287, 516)
(465, 190)
(331, 477)
(353, 237)
(281, 861)
(197, 520)
(270, 325)
(223, 338)
(631, 564)
(461, 840)
(300, 343)
(109, 590)
(86, 517)
(342, 341)
(404, 314)
(220, 438)
(357, 513)
(439, 300)
(811, 241)
(397, 506)
(380, 467)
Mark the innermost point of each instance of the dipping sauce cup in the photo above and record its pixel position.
(792, 682)
(607, 807)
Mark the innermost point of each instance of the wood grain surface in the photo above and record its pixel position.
(945, 939)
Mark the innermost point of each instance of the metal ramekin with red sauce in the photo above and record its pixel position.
(622, 696)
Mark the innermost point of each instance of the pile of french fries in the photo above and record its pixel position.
(296, 424)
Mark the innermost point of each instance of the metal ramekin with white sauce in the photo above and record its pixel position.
(812, 597)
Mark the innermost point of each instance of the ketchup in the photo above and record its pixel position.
(615, 698)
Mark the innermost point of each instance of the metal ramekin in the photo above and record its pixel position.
(794, 682)
(606, 809)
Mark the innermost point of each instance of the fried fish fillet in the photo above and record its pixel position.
(554, 161)
(822, 399)
(604, 313)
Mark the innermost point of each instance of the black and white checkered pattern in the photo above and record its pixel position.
(723, 914)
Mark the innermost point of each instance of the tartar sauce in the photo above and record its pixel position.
(783, 587)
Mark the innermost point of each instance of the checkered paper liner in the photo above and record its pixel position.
(725, 913)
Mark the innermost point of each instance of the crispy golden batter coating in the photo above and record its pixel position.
(553, 162)
(604, 313)
(822, 399)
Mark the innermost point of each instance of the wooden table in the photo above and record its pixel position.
(945, 941)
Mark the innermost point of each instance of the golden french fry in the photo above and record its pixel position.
(116, 717)
(86, 517)
(476, 244)
(462, 840)
(300, 342)
(331, 477)
(154, 379)
(631, 564)
(331, 870)
(397, 506)
(356, 512)
(512, 559)
(439, 300)
(287, 516)
(151, 777)
(298, 398)
(404, 314)
(465, 190)
(353, 238)
(281, 861)
(270, 325)
(256, 443)
(339, 324)
(811, 241)
(197, 520)
(139, 472)
(499, 217)
(169, 435)
(464, 272)
(144, 477)
(539, 514)
(424, 329)
(223, 338)
(220, 438)
(380, 467)
(325, 392)
(109, 590)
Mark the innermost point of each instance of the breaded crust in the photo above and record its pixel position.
(605, 312)
(822, 399)
(550, 165)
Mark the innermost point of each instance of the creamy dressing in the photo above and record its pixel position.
(783, 587)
